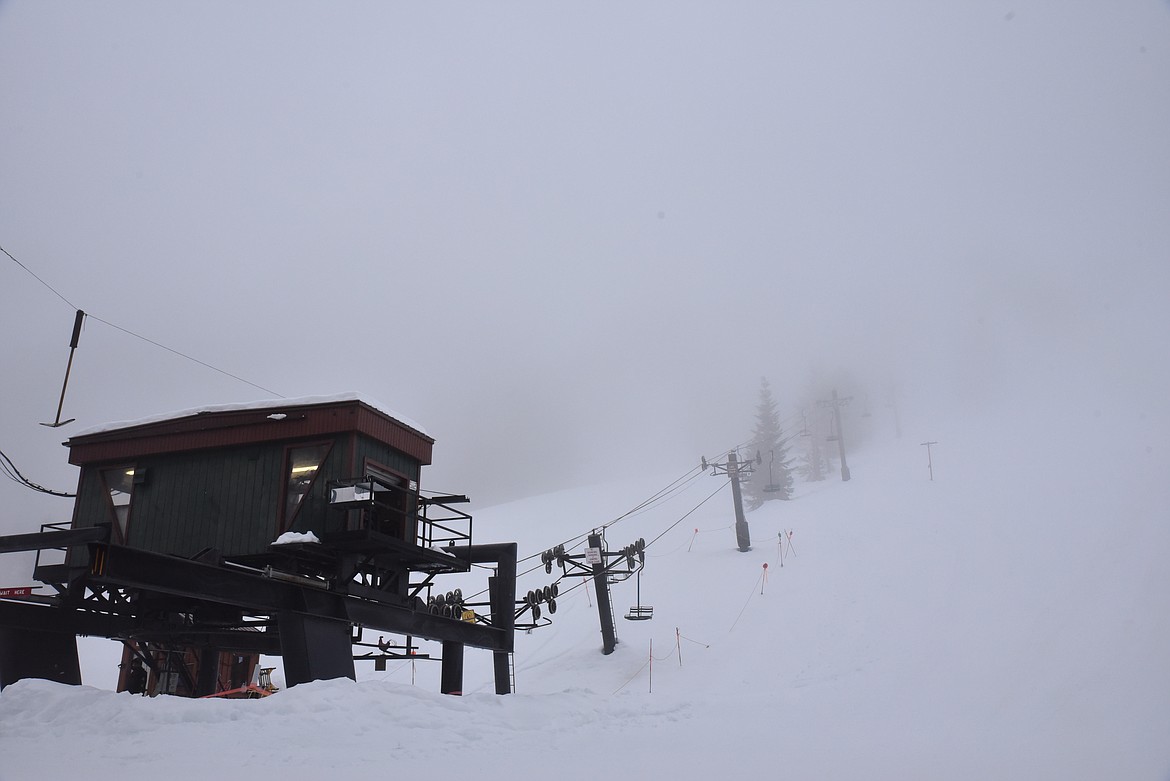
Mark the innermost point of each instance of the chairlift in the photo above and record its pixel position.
(771, 487)
(640, 612)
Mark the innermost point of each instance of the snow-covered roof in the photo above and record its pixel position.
(262, 404)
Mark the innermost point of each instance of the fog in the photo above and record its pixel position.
(570, 240)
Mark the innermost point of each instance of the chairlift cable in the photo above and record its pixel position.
(184, 355)
(14, 474)
(38, 279)
(137, 335)
(662, 494)
(674, 486)
(579, 539)
(640, 506)
(673, 489)
(696, 507)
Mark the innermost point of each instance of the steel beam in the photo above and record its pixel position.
(76, 621)
(65, 620)
(121, 567)
(56, 539)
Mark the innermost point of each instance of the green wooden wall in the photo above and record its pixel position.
(229, 499)
(386, 456)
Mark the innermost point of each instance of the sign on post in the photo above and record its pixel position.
(16, 591)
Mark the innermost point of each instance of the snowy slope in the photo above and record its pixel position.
(1007, 620)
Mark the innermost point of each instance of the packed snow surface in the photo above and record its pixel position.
(1006, 620)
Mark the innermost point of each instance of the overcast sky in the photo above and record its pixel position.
(569, 237)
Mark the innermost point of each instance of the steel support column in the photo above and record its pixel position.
(315, 649)
(451, 677)
(604, 608)
(31, 653)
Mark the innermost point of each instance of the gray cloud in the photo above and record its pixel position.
(567, 240)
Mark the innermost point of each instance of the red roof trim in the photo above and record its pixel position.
(234, 428)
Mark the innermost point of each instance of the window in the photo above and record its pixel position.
(119, 485)
(303, 465)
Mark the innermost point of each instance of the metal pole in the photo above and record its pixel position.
(77, 321)
(742, 536)
(840, 437)
(601, 586)
(929, 460)
(502, 612)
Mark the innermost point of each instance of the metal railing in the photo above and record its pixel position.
(436, 522)
(440, 525)
(62, 552)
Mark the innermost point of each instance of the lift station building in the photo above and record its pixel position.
(204, 539)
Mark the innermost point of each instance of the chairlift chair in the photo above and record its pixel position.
(771, 487)
(640, 612)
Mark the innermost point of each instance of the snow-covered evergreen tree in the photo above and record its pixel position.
(772, 478)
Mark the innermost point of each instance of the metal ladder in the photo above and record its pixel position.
(612, 615)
